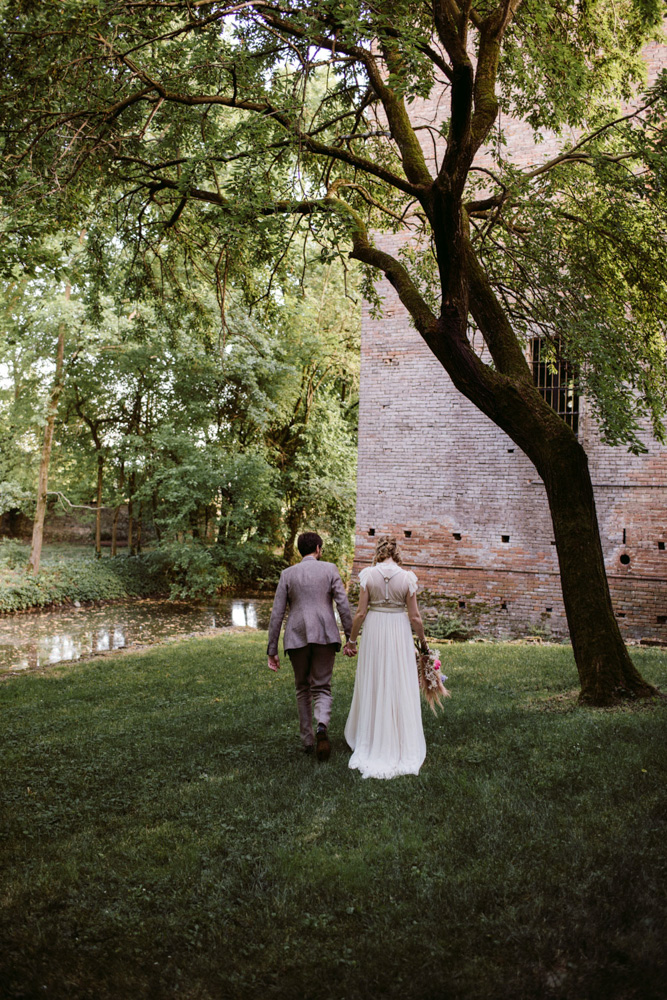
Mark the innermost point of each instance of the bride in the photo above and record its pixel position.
(384, 727)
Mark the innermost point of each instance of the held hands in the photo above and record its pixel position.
(274, 662)
(350, 648)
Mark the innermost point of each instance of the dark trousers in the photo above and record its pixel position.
(313, 667)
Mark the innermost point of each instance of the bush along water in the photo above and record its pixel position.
(179, 570)
(78, 579)
(196, 571)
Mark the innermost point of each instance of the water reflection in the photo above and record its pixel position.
(44, 637)
(244, 613)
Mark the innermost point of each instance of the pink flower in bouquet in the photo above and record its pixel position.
(436, 665)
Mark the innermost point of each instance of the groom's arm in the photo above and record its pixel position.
(342, 603)
(277, 615)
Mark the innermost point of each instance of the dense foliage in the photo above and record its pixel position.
(225, 442)
(215, 124)
(83, 580)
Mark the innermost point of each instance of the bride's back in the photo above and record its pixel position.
(387, 582)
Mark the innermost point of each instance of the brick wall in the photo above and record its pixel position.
(480, 536)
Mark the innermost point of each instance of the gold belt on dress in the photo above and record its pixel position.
(391, 608)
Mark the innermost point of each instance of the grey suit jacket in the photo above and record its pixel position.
(309, 589)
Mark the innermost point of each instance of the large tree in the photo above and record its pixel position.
(228, 125)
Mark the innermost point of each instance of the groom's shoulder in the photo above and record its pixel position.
(311, 566)
(290, 571)
(330, 567)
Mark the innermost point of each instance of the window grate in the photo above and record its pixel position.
(556, 382)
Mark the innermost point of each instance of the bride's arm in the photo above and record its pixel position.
(362, 608)
(415, 618)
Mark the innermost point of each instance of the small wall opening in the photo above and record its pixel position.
(462, 604)
(503, 606)
(408, 534)
(456, 535)
(625, 559)
(661, 546)
(371, 531)
(548, 610)
(505, 539)
(662, 619)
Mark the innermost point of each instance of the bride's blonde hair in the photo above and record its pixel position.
(386, 547)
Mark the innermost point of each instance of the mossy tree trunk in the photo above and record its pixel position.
(605, 669)
(504, 391)
(292, 525)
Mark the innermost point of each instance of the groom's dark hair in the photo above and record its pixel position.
(308, 542)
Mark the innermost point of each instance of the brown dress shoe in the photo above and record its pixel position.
(323, 746)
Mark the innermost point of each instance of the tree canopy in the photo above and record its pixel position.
(210, 435)
(220, 129)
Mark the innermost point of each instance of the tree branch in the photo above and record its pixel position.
(492, 321)
(265, 108)
(437, 60)
(402, 132)
(366, 195)
(568, 154)
(78, 506)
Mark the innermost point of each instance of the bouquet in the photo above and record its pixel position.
(431, 678)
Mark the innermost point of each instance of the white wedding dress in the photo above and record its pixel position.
(384, 727)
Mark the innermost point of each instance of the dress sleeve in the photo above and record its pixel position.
(363, 577)
(412, 582)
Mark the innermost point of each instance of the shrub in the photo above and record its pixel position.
(13, 553)
(194, 570)
(85, 579)
(188, 568)
(180, 569)
(251, 565)
(448, 627)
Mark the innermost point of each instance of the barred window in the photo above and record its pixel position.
(555, 380)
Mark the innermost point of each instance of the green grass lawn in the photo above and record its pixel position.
(163, 836)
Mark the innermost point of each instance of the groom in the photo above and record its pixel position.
(311, 637)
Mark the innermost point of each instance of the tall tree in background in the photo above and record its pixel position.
(17, 402)
(206, 442)
(47, 441)
(311, 430)
(45, 460)
(224, 126)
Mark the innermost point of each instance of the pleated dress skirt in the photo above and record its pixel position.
(384, 727)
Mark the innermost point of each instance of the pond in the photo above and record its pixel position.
(46, 637)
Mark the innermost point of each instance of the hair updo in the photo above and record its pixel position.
(386, 547)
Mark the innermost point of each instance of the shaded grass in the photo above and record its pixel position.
(164, 836)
